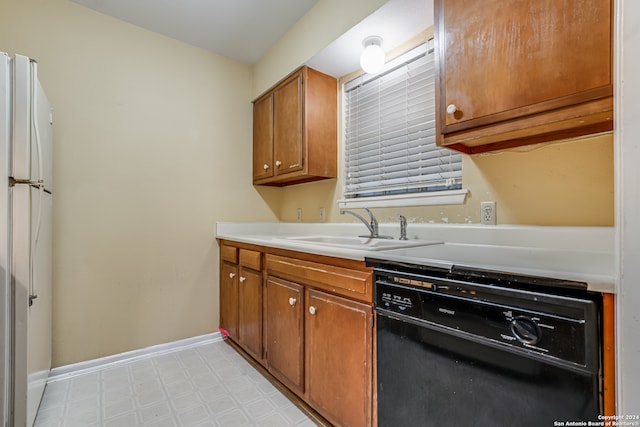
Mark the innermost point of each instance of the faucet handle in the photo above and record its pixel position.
(372, 226)
(403, 227)
(374, 221)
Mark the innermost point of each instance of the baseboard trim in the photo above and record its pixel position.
(68, 371)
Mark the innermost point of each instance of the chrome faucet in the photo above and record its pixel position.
(403, 227)
(371, 225)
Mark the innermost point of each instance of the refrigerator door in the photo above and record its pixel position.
(5, 283)
(32, 273)
(32, 133)
(43, 132)
(30, 240)
(39, 316)
(23, 156)
(20, 220)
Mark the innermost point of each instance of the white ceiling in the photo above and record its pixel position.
(239, 29)
(244, 30)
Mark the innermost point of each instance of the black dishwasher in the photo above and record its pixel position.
(474, 348)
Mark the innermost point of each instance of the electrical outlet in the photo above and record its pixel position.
(488, 213)
(299, 214)
(321, 215)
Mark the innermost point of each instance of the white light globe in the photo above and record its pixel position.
(372, 58)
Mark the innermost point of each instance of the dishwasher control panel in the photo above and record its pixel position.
(549, 326)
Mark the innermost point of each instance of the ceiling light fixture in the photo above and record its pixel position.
(372, 57)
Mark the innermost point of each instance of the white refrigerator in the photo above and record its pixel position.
(26, 200)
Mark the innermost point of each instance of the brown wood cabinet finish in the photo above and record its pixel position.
(263, 138)
(241, 297)
(309, 323)
(287, 125)
(229, 299)
(514, 72)
(250, 311)
(284, 332)
(340, 280)
(295, 130)
(251, 259)
(229, 253)
(338, 336)
(608, 354)
(338, 358)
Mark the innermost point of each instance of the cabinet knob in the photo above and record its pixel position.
(451, 108)
(278, 163)
(266, 166)
(242, 279)
(292, 301)
(232, 275)
(312, 310)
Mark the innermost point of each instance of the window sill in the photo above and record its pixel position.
(451, 197)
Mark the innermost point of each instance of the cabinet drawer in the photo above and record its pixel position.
(229, 253)
(251, 259)
(343, 281)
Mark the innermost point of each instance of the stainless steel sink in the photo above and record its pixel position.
(361, 243)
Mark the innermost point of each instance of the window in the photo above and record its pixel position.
(390, 149)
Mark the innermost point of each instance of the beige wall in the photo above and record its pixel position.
(563, 183)
(152, 146)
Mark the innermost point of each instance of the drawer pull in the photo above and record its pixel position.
(312, 310)
(292, 301)
(242, 279)
(232, 275)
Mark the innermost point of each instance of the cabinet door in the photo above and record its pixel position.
(250, 312)
(501, 59)
(229, 299)
(287, 126)
(284, 332)
(339, 358)
(263, 138)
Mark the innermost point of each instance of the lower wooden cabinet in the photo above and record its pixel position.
(284, 332)
(229, 299)
(338, 344)
(241, 297)
(308, 320)
(321, 348)
(250, 312)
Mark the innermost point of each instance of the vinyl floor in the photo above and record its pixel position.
(206, 385)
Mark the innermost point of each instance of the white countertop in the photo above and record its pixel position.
(583, 254)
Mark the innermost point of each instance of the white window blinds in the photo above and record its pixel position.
(390, 131)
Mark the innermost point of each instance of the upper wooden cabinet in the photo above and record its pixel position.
(295, 130)
(515, 72)
(263, 138)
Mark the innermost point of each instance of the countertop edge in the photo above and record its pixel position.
(595, 242)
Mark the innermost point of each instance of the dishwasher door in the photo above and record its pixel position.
(430, 377)
(453, 352)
